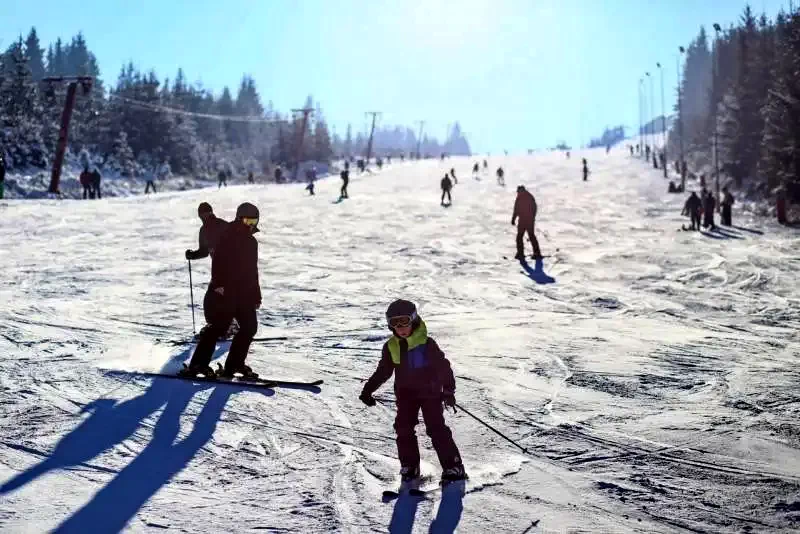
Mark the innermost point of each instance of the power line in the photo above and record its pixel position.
(175, 111)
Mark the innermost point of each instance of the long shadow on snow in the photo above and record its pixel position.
(450, 509)
(405, 511)
(536, 273)
(117, 503)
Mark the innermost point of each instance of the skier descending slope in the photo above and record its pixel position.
(525, 210)
(447, 186)
(423, 381)
(234, 293)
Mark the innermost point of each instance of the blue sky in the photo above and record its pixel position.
(517, 74)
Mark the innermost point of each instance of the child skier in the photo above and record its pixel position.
(423, 381)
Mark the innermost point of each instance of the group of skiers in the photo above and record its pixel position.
(450, 180)
(90, 181)
(704, 205)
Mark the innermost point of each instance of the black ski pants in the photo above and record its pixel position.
(695, 220)
(147, 187)
(219, 312)
(521, 231)
(446, 192)
(408, 408)
(726, 215)
(343, 192)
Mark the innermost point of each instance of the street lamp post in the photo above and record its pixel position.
(641, 118)
(680, 116)
(717, 29)
(652, 118)
(663, 122)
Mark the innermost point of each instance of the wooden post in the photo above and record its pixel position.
(371, 133)
(299, 150)
(419, 138)
(66, 116)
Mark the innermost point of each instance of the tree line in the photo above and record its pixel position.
(744, 84)
(140, 121)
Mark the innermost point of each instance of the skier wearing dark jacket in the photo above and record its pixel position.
(447, 185)
(708, 209)
(2, 174)
(423, 380)
(693, 208)
(233, 293)
(210, 232)
(525, 209)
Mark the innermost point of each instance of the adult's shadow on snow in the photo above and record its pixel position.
(450, 509)
(536, 273)
(404, 514)
(751, 230)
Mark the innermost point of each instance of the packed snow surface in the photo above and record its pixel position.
(650, 373)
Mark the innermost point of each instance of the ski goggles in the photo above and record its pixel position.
(401, 321)
(252, 222)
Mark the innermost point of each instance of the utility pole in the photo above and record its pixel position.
(419, 138)
(663, 122)
(642, 136)
(371, 133)
(680, 118)
(652, 119)
(66, 116)
(299, 151)
(717, 29)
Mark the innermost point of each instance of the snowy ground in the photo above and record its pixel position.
(651, 373)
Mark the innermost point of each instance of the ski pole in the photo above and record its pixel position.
(493, 429)
(191, 295)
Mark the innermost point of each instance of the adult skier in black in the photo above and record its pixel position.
(485, 164)
(708, 209)
(278, 174)
(727, 207)
(423, 381)
(222, 179)
(95, 179)
(692, 208)
(447, 185)
(209, 234)
(525, 209)
(86, 182)
(585, 170)
(345, 175)
(475, 169)
(501, 176)
(233, 293)
(2, 174)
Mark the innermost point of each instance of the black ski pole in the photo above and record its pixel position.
(493, 429)
(191, 295)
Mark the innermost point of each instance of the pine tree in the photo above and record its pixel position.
(35, 54)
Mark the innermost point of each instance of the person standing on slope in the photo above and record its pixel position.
(233, 293)
(453, 176)
(693, 208)
(222, 179)
(2, 173)
(525, 209)
(585, 170)
(447, 185)
(345, 175)
(727, 207)
(501, 176)
(96, 179)
(475, 169)
(210, 233)
(86, 182)
(708, 209)
(423, 380)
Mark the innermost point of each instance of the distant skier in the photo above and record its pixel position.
(647, 152)
(209, 234)
(525, 209)
(222, 179)
(96, 178)
(310, 188)
(631, 149)
(250, 178)
(379, 163)
(278, 174)
(345, 176)
(501, 180)
(233, 293)
(423, 381)
(567, 154)
(727, 207)
(693, 208)
(485, 164)
(447, 185)
(150, 182)
(708, 209)
(2, 174)
(585, 170)
(453, 176)
(475, 169)
(86, 182)
(361, 165)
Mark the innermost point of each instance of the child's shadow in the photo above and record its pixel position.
(536, 273)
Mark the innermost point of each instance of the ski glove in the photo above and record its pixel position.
(449, 400)
(367, 398)
(189, 254)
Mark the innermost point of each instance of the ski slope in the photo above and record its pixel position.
(651, 373)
